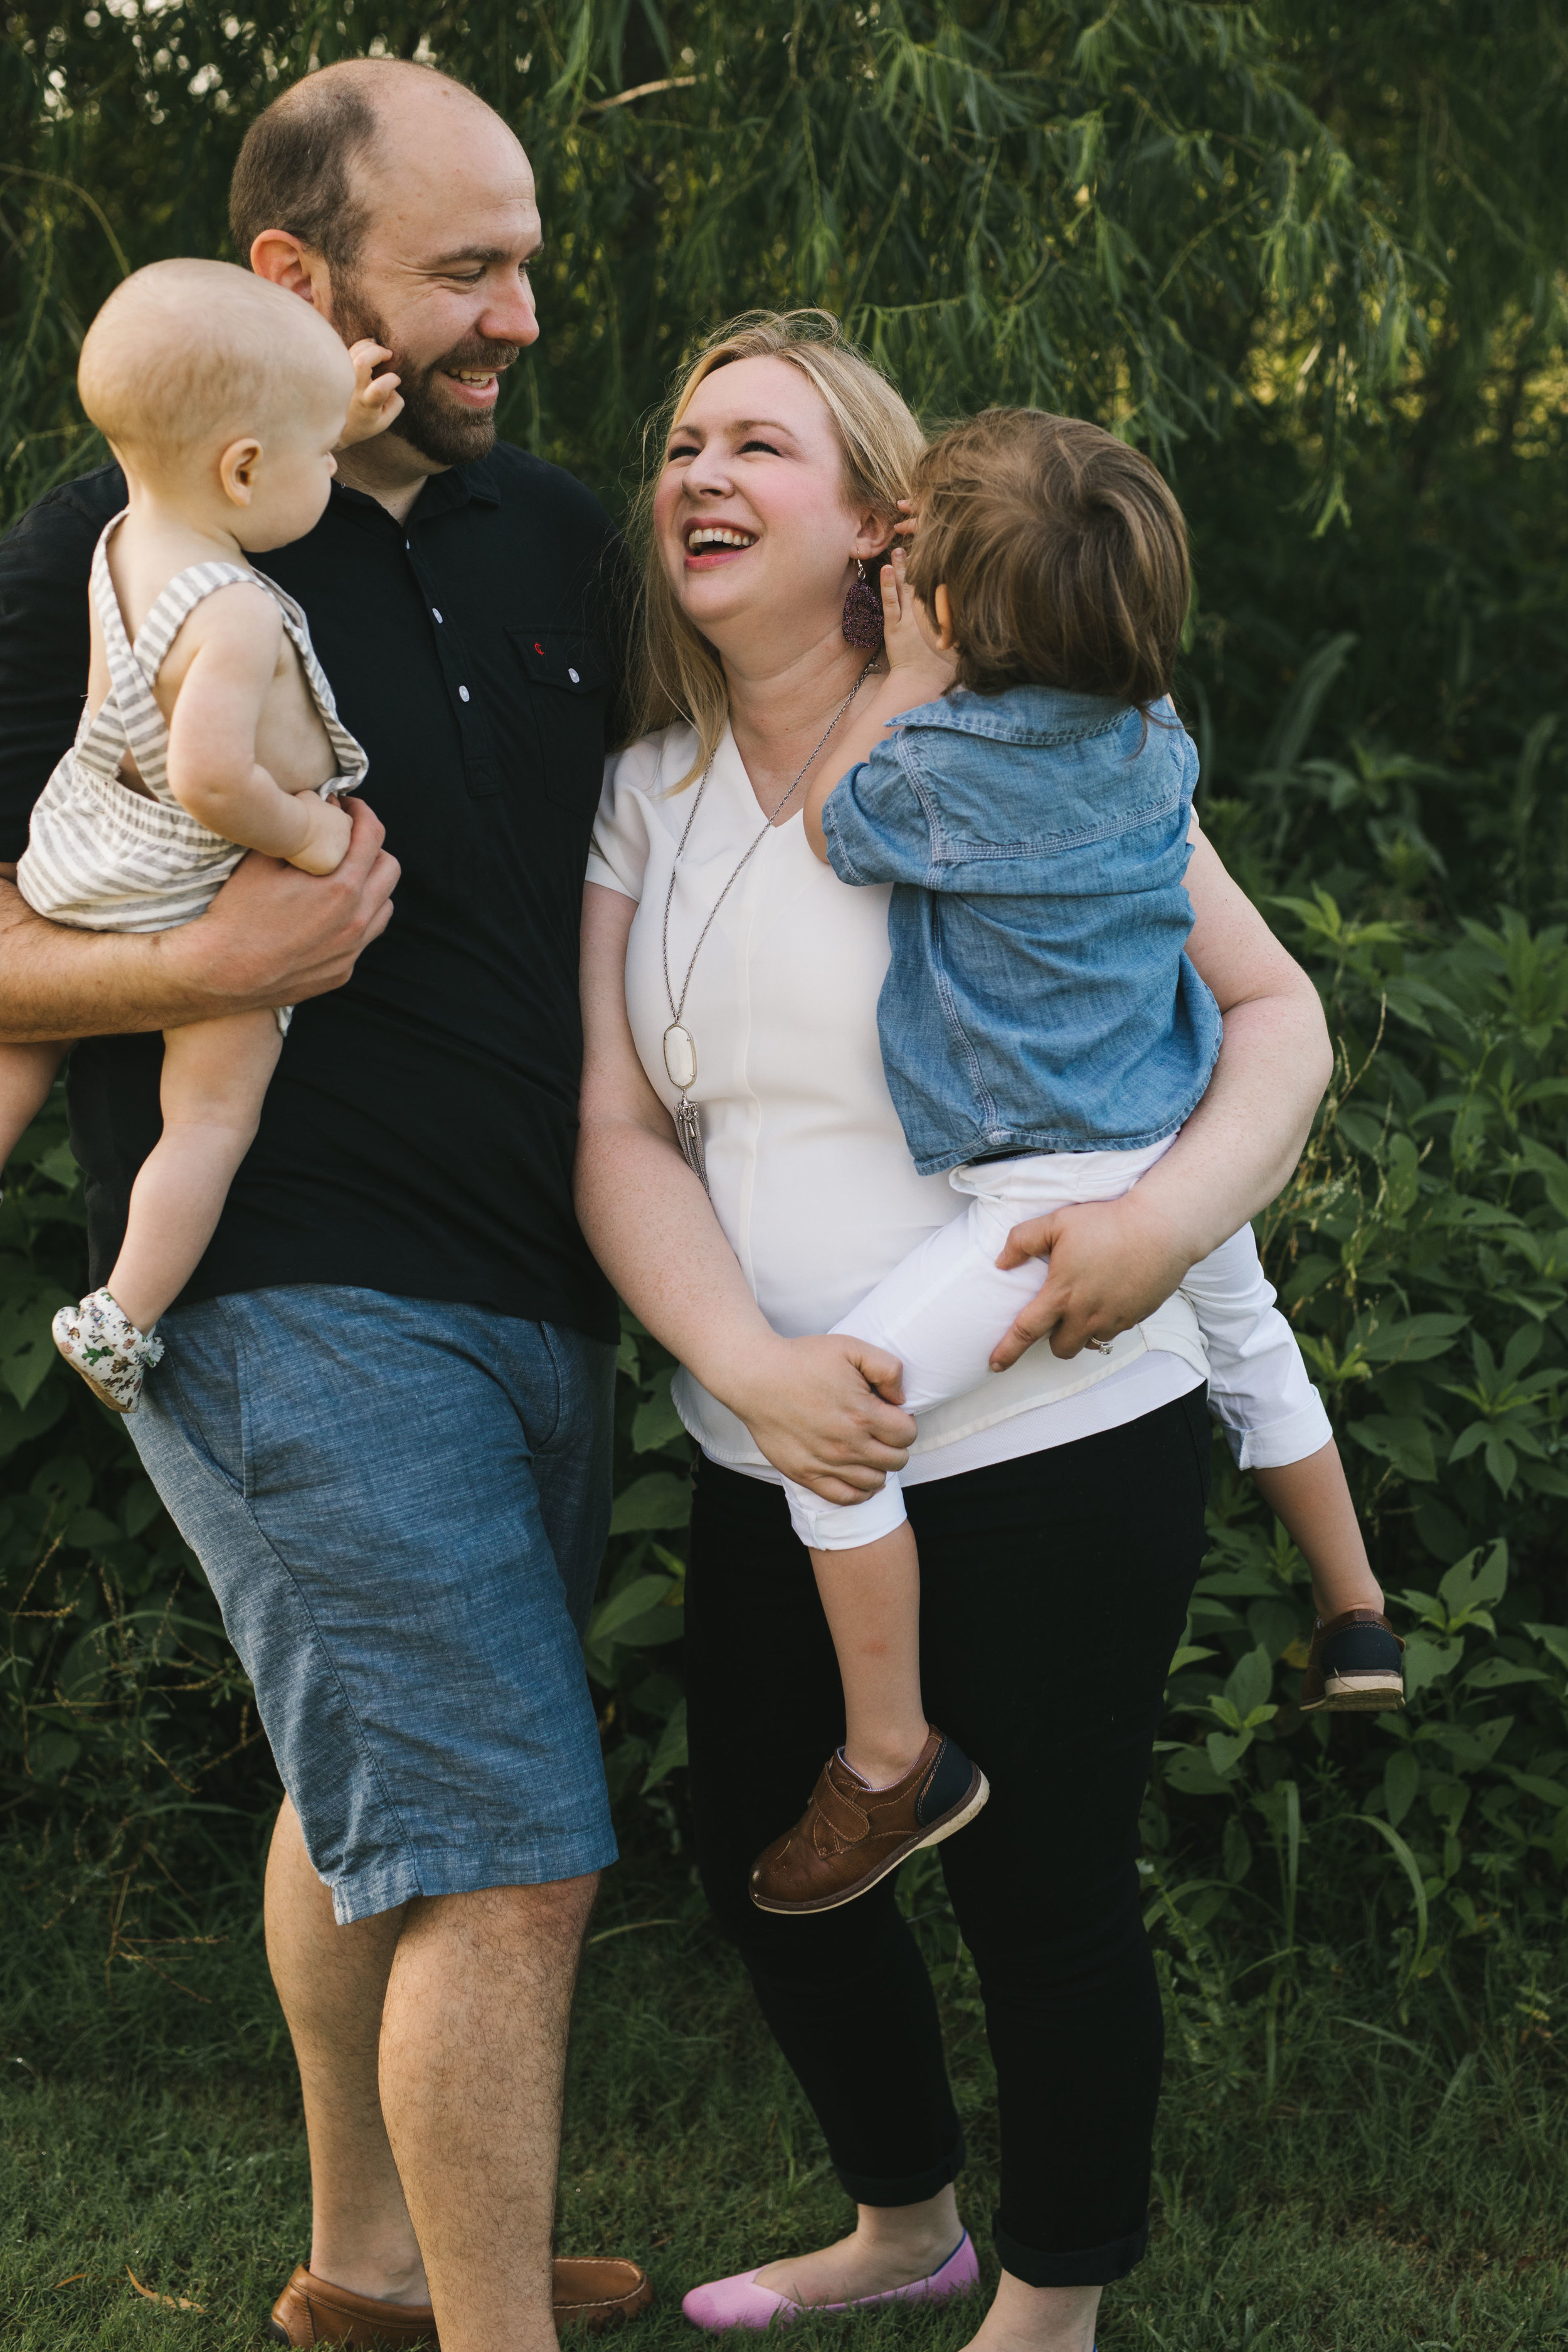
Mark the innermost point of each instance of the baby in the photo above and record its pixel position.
(1044, 1036)
(209, 728)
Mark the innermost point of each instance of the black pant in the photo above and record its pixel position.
(1053, 1593)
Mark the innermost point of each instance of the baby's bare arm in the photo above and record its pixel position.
(231, 647)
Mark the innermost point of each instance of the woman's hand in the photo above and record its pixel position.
(813, 1407)
(1111, 1263)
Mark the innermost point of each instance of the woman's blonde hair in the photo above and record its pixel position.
(676, 674)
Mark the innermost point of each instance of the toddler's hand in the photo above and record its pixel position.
(376, 400)
(907, 634)
(327, 842)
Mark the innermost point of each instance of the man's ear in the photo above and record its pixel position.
(237, 470)
(279, 256)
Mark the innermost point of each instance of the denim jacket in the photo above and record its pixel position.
(1038, 998)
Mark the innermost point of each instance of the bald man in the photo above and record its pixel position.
(382, 1416)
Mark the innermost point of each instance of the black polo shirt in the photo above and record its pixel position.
(419, 1133)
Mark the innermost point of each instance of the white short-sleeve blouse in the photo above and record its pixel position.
(811, 1179)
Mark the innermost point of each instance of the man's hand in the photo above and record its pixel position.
(376, 402)
(1111, 1263)
(813, 1407)
(274, 936)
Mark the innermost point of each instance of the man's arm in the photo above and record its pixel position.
(272, 936)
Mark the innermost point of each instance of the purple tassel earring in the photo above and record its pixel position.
(863, 611)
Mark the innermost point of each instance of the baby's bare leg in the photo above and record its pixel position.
(26, 1074)
(871, 1599)
(215, 1075)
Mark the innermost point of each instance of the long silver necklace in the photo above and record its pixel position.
(679, 1047)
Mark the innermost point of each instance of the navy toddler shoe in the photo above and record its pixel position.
(1354, 1665)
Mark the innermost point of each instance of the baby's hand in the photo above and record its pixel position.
(326, 844)
(376, 400)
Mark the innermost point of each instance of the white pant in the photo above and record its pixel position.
(945, 1308)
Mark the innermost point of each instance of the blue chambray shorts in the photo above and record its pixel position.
(401, 1506)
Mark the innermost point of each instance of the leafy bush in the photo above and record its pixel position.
(125, 1723)
(1422, 1250)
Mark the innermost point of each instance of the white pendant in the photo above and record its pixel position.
(679, 1055)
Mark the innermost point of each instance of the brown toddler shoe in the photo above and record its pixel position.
(1354, 1665)
(850, 1837)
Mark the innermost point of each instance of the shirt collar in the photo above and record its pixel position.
(475, 484)
(1024, 714)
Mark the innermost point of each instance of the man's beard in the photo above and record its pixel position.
(428, 421)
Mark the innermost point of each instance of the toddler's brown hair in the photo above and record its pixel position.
(1062, 551)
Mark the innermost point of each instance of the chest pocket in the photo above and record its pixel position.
(568, 690)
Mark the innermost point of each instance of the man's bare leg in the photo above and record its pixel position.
(473, 2054)
(437, 2032)
(332, 1981)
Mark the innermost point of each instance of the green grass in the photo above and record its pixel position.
(1381, 2195)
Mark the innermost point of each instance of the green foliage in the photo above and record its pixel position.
(1056, 203)
(1422, 1251)
(123, 1708)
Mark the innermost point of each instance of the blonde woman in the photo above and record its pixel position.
(743, 1179)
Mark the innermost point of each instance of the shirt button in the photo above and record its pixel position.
(573, 676)
(437, 610)
(462, 694)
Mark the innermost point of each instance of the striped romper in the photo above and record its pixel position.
(102, 857)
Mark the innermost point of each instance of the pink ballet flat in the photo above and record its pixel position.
(739, 2302)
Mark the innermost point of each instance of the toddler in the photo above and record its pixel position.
(209, 728)
(1045, 1036)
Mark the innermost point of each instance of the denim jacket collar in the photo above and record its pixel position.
(1024, 714)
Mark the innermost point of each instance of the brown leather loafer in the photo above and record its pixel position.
(594, 2290)
(599, 2290)
(1353, 1665)
(850, 1837)
(312, 2311)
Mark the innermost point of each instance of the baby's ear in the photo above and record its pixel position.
(237, 470)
